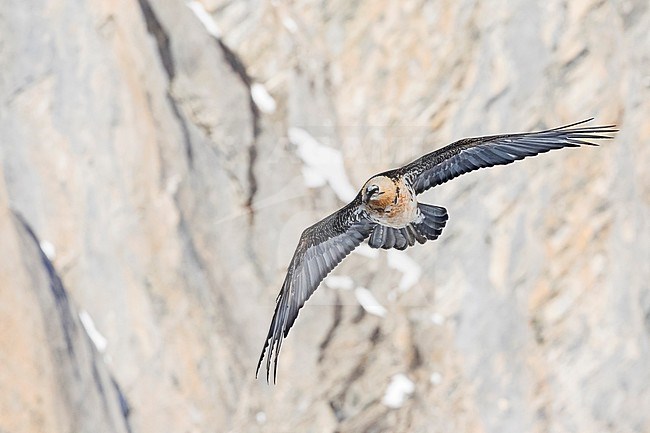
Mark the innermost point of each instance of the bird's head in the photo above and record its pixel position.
(378, 191)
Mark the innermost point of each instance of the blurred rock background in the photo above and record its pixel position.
(150, 200)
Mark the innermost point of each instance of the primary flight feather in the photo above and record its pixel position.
(386, 211)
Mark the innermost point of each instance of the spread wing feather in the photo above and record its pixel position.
(320, 249)
(471, 154)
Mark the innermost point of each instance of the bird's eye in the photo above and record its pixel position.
(372, 190)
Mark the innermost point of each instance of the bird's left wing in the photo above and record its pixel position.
(471, 154)
(321, 247)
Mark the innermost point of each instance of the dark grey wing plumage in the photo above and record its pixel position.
(470, 154)
(321, 247)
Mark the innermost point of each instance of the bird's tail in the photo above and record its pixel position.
(431, 221)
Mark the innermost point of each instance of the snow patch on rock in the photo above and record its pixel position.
(399, 389)
(96, 337)
(206, 19)
(323, 164)
(263, 98)
(369, 302)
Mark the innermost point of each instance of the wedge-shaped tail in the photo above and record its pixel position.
(428, 226)
(433, 220)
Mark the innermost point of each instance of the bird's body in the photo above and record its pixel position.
(395, 205)
(386, 211)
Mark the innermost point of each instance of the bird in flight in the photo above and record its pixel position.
(387, 212)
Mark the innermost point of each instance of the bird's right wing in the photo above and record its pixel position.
(470, 154)
(321, 247)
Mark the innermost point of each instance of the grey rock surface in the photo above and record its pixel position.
(140, 152)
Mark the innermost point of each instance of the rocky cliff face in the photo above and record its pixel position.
(159, 160)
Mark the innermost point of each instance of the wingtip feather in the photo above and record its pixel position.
(581, 122)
